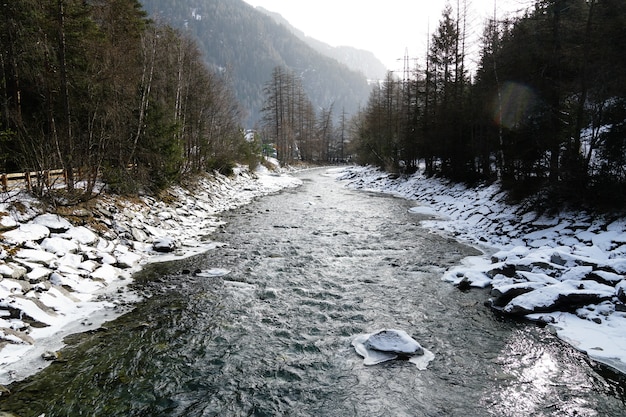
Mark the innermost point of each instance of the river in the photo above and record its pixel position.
(265, 328)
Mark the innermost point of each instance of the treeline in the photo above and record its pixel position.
(545, 111)
(297, 131)
(97, 88)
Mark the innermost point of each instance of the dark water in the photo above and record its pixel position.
(311, 269)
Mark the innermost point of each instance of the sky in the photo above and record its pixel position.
(390, 29)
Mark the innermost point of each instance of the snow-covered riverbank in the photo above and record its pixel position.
(68, 272)
(567, 270)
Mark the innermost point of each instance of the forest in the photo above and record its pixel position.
(245, 44)
(98, 89)
(544, 112)
(102, 91)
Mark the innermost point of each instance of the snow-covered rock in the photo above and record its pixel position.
(554, 268)
(393, 341)
(389, 344)
(54, 273)
(26, 233)
(54, 222)
(165, 244)
(59, 246)
(7, 222)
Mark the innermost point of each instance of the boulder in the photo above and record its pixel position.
(503, 294)
(164, 245)
(13, 271)
(564, 296)
(26, 233)
(393, 341)
(7, 222)
(390, 344)
(56, 224)
(59, 246)
(82, 235)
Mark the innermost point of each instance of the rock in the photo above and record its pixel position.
(55, 223)
(82, 235)
(604, 277)
(390, 344)
(505, 293)
(564, 296)
(393, 341)
(620, 290)
(508, 270)
(35, 256)
(13, 271)
(50, 355)
(38, 274)
(26, 233)
(106, 273)
(138, 234)
(59, 246)
(15, 337)
(164, 245)
(7, 222)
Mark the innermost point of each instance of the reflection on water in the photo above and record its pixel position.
(543, 377)
(309, 270)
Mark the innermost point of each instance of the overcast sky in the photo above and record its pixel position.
(385, 27)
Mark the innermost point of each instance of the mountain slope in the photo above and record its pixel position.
(356, 59)
(247, 45)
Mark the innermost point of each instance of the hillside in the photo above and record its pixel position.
(247, 45)
(355, 59)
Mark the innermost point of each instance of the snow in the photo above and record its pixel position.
(542, 262)
(72, 278)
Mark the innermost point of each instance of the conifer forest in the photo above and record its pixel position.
(103, 91)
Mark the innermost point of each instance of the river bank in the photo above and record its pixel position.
(566, 270)
(68, 271)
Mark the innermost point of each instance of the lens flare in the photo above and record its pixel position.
(513, 104)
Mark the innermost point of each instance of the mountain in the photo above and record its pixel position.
(247, 45)
(356, 59)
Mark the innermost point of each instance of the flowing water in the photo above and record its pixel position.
(310, 269)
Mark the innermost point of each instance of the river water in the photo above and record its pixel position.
(310, 269)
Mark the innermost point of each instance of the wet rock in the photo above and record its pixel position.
(508, 270)
(505, 293)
